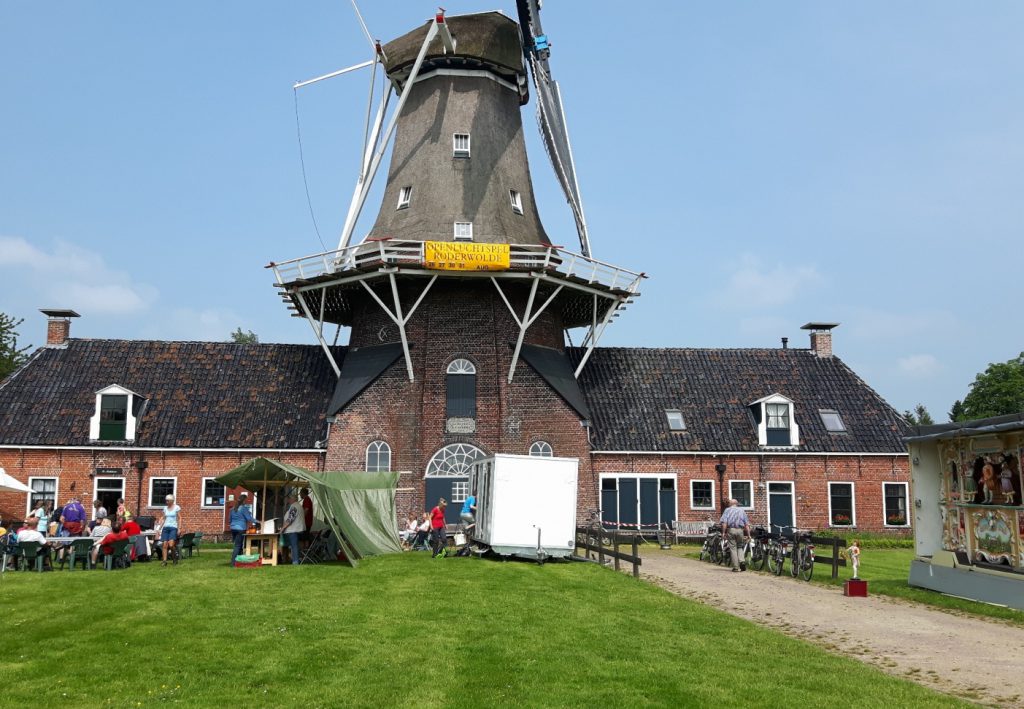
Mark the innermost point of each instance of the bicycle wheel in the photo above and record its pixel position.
(757, 556)
(716, 552)
(705, 552)
(807, 566)
(777, 560)
(795, 560)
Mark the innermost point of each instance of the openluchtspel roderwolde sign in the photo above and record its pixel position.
(455, 256)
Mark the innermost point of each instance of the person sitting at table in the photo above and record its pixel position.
(102, 528)
(131, 528)
(72, 517)
(30, 533)
(106, 544)
(241, 519)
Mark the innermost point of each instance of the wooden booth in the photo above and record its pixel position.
(969, 520)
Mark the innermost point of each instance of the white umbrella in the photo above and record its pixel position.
(9, 484)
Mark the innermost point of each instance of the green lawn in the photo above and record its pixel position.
(886, 571)
(406, 631)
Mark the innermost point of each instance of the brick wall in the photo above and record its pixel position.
(76, 473)
(810, 476)
(457, 320)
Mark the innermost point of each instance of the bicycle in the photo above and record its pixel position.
(758, 546)
(802, 559)
(712, 545)
(778, 549)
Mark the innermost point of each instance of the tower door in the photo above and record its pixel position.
(780, 504)
(450, 488)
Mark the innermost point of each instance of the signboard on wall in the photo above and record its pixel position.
(460, 256)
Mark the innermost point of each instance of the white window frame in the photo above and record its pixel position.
(792, 499)
(541, 449)
(762, 426)
(853, 503)
(129, 423)
(463, 237)
(404, 197)
(461, 365)
(713, 497)
(669, 413)
(56, 491)
(458, 152)
(380, 445)
(824, 412)
(752, 488)
(906, 506)
(149, 496)
(516, 198)
(202, 495)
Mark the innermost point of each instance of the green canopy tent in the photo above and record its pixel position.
(359, 507)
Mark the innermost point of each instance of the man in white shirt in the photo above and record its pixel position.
(30, 533)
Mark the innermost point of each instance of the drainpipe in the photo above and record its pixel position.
(720, 469)
(140, 466)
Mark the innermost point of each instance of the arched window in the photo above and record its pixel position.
(453, 461)
(461, 387)
(541, 449)
(378, 457)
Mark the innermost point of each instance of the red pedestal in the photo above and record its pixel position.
(248, 564)
(856, 587)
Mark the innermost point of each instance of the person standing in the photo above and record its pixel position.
(241, 520)
(307, 516)
(468, 514)
(72, 517)
(438, 533)
(294, 525)
(735, 526)
(170, 523)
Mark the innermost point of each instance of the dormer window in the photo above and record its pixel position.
(404, 197)
(517, 201)
(117, 412)
(776, 427)
(460, 145)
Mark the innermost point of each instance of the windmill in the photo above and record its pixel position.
(458, 206)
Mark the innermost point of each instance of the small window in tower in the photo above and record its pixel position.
(404, 195)
(460, 145)
(517, 201)
(463, 231)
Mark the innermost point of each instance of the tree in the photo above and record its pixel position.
(244, 338)
(997, 391)
(11, 356)
(957, 412)
(919, 416)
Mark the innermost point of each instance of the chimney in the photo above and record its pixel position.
(785, 343)
(58, 326)
(821, 337)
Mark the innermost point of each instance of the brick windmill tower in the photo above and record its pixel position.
(457, 299)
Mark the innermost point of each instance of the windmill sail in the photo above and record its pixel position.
(551, 115)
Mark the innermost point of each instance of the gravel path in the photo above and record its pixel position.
(979, 660)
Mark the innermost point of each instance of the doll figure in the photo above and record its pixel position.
(1006, 483)
(988, 483)
(970, 487)
(854, 552)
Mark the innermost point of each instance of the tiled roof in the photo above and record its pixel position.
(629, 389)
(201, 394)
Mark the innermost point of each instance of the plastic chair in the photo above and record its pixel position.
(187, 543)
(9, 551)
(31, 551)
(79, 550)
(116, 557)
(196, 540)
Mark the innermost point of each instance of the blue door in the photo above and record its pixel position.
(667, 493)
(610, 503)
(627, 502)
(648, 504)
(780, 504)
(444, 487)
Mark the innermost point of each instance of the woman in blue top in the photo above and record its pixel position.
(169, 526)
(241, 520)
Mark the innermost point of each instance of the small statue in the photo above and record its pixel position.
(1006, 483)
(853, 551)
(988, 481)
(970, 487)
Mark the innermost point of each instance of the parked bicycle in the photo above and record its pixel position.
(757, 545)
(802, 559)
(712, 549)
(778, 549)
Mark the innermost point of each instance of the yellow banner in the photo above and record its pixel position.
(459, 256)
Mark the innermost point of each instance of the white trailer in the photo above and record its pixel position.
(526, 505)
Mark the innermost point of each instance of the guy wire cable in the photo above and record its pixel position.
(302, 161)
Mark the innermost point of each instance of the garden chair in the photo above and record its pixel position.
(79, 551)
(186, 543)
(116, 558)
(30, 552)
(317, 548)
(196, 541)
(9, 550)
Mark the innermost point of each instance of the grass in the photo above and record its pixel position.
(402, 630)
(886, 571)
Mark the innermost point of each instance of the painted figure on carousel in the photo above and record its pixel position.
(988, 482)
(1006, 482)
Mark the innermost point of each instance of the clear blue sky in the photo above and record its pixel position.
(767, 164)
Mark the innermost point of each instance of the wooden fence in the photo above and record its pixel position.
(599, 544)
(836, 560)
